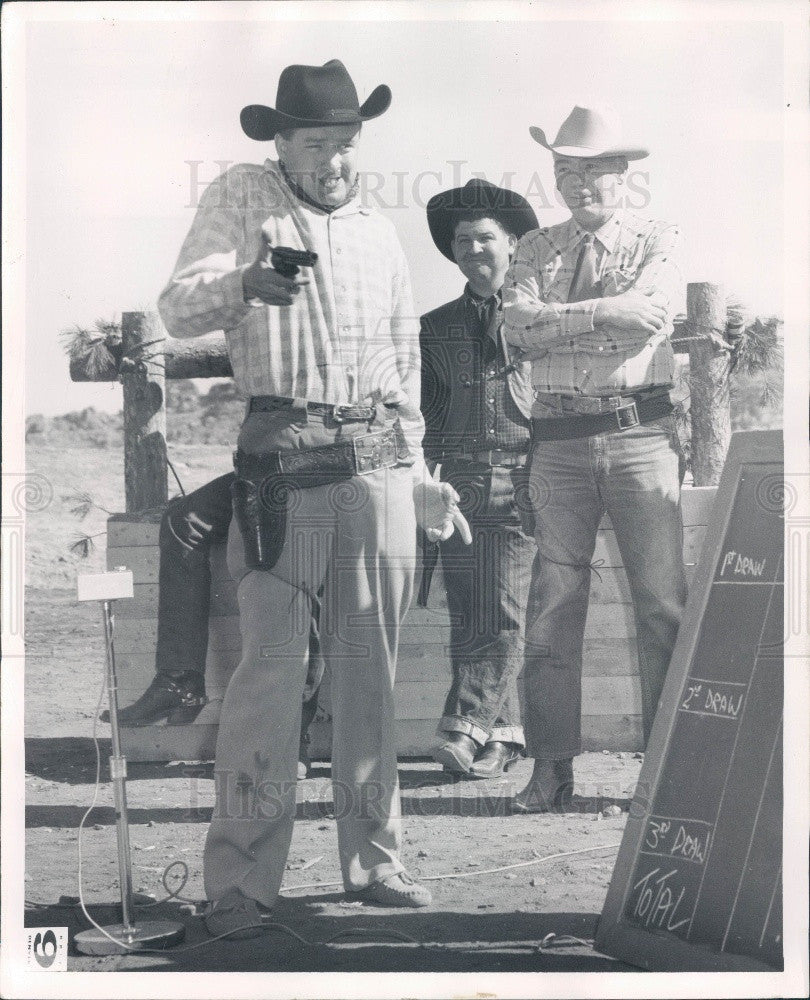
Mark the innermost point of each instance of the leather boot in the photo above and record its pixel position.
(550, 788)
(176, 698)
(494, 759)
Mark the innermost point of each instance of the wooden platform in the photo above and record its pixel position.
(611, 700)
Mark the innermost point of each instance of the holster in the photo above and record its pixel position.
(260, 495)
(430, 556)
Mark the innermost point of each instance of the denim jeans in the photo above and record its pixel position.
(188, 528)
(486, 584)
(635, 477)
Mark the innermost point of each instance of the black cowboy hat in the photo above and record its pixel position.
(512, 210)
(312, 96)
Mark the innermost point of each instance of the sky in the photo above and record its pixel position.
(126, 119)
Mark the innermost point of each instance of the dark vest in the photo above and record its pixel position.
(451, 374)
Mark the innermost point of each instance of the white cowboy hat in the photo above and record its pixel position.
(589, 133)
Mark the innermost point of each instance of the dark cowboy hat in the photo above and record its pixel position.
(509, 208)
(310, 96)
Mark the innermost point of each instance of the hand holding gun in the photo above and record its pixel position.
(287, 261)
(275, 276)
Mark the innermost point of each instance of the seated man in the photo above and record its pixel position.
(591, 302)
(189, 526)
(476, 402)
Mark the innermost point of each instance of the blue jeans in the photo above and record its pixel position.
(188, 528)
(486, 583)
(635, 477)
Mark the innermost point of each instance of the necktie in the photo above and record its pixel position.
(487, 314)
(586, 283)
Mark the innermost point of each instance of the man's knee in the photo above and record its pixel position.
(194, 521)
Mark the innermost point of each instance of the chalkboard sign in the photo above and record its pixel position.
(698, 881)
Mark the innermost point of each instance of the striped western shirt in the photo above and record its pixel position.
(568, 355)
(350, 336)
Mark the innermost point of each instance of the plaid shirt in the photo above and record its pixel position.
(350, 336)
(567, 354)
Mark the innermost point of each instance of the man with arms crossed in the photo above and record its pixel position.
(330, 479)
(591, 302)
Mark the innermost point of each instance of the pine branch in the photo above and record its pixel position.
(84, 545)
(97, 350)
(83, 503)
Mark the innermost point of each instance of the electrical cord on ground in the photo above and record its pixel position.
(471, 874)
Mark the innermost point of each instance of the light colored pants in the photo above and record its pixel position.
(357, 540)
(635, 476)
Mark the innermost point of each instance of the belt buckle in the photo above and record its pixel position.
(339, 413)
(627, 416)
(373, 451)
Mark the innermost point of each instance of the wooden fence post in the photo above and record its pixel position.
(144, 382)
(708, 378)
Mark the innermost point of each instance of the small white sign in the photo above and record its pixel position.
(46, 949)
(104, 586)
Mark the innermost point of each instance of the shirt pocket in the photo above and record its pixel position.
(619, 278)
(621, 274)
(549, 273)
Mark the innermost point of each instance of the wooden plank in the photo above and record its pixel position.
(696, 506)
(147, 743)
(607, 550)
(143, 605)
(599, 659)
(428, 664)
(602, 657)
(618, 695)
(127, 534)
(133, 634)
(611, 620)
(612, 732)
(413, 738)
(141, 559)
(123, 531)
(612, 588)
(697, 503)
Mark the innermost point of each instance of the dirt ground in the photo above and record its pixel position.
(454, 834)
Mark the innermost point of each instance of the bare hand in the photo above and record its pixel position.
(437, 512)
(262, 281)
(642, 312)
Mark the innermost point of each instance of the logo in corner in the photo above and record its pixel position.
(46, 949)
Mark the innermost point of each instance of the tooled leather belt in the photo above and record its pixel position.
(356, 456)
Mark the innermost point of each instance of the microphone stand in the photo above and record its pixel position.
(118, 939)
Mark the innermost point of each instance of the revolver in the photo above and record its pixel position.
(287, 261)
